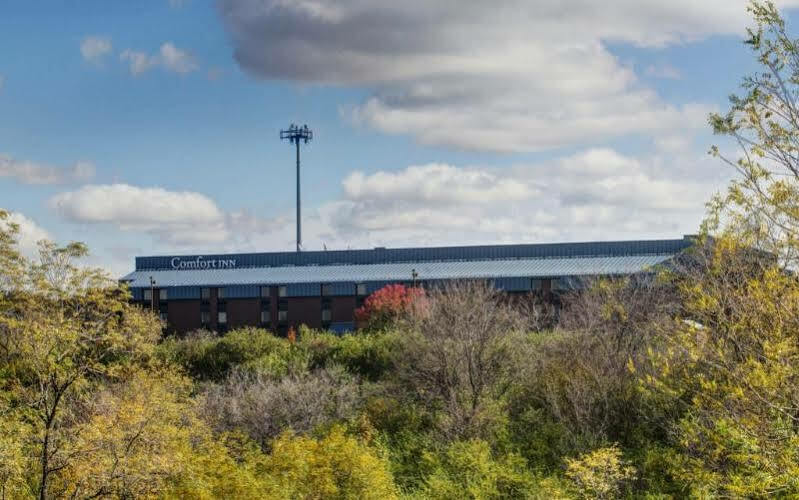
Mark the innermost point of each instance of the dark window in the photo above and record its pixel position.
(205, 294)
(205, 317)
(266, 292)
(220, 293)
(360, 289)
(266, 317)
(148, 294)
(326, 289)
(326, 310)
(162, 294)
(282, 310)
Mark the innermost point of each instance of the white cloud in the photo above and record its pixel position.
(95, 48)
(435, 183)
(138, 62)
(169, 57)
(181, 217)
(176, 60)
(470, 74)
(28, 172)
(29, 235)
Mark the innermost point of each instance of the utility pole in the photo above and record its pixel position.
(295, 134)
(152, 294)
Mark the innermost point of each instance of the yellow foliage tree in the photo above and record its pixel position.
(599, 474)
(730, 368)
(63, 331)
(335, 466)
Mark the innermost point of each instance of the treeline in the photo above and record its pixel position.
(678, 384)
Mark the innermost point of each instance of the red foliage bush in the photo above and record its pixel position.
(387, 304)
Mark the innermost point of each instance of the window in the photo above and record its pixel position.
(327, 305)
(220, 293)
(205, 294)
(148, 294)
(536, 284)
(266, 317)
(266, 292)
(162, 294)
(327, 289)
(282, 291)
(222, 318)
(205, 317)
(164, 316)
(360, 289)
(282, 310)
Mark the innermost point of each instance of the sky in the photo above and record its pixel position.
(152, 127)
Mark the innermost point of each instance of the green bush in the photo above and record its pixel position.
(405, 430)
(206, 356)
(468, 469)
(367, 355)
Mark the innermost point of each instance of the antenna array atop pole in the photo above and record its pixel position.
(295, 134)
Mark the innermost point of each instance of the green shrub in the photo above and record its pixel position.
(468, 469)
(206, 356)
(335, 466)
(600, 474)
(367, 355)
(405, 431)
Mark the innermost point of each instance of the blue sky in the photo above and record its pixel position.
(434, 125)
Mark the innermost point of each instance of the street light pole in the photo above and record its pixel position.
(152, 294)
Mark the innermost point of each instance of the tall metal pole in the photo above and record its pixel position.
(152, 294)
(296, 134)
(299, 200)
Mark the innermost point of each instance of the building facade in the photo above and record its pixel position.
(322, 289)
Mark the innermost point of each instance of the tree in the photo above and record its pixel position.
(469, 470)
(139, 434)
(264, 407)
(460, 355)
(577, 381)
(728, 369)
(762, 205)
(599, 474)
(388, 304)
(335, 466)
(62, 330)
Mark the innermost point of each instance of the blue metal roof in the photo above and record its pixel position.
(427, 254)
(386, 272)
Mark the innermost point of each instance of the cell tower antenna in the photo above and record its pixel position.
(295, 135)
